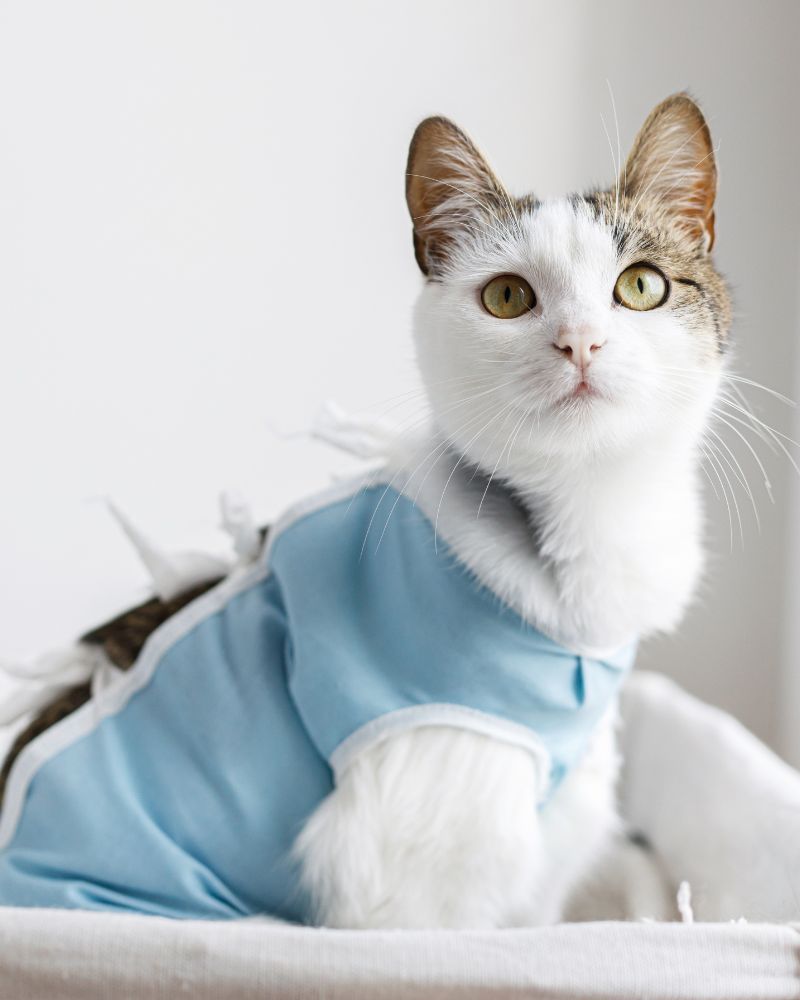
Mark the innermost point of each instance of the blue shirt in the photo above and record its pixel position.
(180, 790)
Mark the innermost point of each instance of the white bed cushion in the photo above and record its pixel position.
(88, 956)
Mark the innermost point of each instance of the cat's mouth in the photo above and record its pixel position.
(582, 391)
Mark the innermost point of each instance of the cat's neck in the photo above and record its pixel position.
(603, 503)
(595, 552)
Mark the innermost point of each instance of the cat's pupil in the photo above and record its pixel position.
(507, 293)
(640, 286)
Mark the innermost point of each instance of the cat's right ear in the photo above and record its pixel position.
(450, 188)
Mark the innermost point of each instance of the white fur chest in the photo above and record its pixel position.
(595, 554)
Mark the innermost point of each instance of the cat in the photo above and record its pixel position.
(571, 351)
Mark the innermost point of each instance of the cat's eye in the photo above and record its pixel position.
(641, 287)
(508, 296)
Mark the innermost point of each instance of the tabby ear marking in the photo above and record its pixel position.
(449, 186)
(672, 164)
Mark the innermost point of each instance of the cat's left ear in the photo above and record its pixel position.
(449, 189)
(672, 164)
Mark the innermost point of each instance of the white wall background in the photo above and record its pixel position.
(203, 235)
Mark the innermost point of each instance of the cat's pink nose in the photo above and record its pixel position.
(578, 344)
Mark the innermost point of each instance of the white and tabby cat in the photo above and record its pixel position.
(554, 340)
(439, 754)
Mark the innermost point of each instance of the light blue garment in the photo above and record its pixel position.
(181, 794)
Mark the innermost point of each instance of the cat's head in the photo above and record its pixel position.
(575, 325)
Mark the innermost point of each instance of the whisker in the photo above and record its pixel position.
(722, 462)
(714, 463)
(616, 172)
(730, 376)
(496, 464)
(619, 148)
(389, 486)
(441, 447)
(776, 436)
(453, 471)
(738, 472)
(767, 484)
(754, 428)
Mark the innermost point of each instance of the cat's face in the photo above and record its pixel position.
(571, 326)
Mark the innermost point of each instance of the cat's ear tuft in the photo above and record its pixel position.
(672, 164)
(449, 188)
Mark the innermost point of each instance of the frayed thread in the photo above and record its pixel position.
(684, 900)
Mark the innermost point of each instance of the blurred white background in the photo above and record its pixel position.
(203, 235)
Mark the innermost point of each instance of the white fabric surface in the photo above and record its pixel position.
(87, 956)
(721, 810)
(718, 807)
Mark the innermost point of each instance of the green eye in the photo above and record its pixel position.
(641, 287)
(508, 296)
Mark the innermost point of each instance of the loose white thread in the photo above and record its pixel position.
(685, 903)
(362, 436)
(172, 573)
